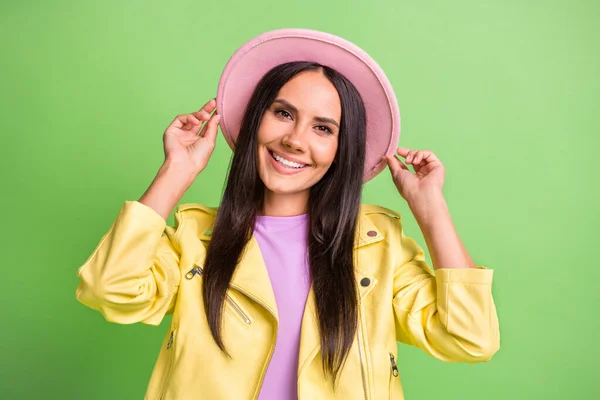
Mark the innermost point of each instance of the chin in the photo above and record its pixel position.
(279, 186)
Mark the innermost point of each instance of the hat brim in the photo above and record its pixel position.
(259, 55)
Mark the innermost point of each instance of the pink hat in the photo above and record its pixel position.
(257, 56)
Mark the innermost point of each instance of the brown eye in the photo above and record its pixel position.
(282, 112)
(326, 128)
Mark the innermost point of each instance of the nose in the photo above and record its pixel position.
(295, 139)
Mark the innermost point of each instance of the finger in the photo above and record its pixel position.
(202, 115)
(179, 121)
(205, 126)
(422, 157)
(396, 166)
(418, 157)
(188, 122)
(210, 106)
(428, 157)
(412, 155)
(192, 120)
(206, 116)
(391, 164)
(402, 165)
(210, 128)
(402, 151)
(193, 124)
(409, 156)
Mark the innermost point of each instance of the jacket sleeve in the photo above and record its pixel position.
(450, 315)
(133, 274)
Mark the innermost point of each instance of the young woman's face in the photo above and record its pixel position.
(298, 134)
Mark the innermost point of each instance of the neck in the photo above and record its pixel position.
(285, 205)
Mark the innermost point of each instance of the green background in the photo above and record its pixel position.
(504, 92)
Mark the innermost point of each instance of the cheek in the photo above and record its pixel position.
(266, 130)
(325, 154)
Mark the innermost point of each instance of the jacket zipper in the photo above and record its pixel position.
(170, 343)
(262, 378)
(362, 363)
(198, 270)
(169, 366)
(394, 366)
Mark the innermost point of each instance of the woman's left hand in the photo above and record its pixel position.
(428, 179)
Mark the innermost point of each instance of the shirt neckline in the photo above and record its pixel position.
(292, 218)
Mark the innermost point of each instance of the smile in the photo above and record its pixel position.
(286, 163)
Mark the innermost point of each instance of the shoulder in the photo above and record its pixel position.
(380, 219)
(375, 211)
(198, 218)
(195, 208)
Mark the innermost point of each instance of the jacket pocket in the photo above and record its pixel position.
(234, 308)
(393, 374)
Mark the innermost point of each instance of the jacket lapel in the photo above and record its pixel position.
(252, 278)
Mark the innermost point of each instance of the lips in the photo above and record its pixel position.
(283, 169)
(288, 158)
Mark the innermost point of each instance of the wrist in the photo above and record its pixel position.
(167, 188)
(177, 173)
(428, 209)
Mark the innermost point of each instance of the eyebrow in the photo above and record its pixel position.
(294, 109)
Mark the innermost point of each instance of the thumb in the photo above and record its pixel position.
(396, 166)
(210, 129)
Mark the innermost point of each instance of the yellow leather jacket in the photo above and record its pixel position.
(143, 269)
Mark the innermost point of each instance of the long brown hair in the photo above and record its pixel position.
(333, 207)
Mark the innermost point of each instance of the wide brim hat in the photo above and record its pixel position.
(260, 54)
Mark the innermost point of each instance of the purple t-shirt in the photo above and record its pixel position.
(283, 244)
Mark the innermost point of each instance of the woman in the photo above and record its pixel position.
(291, 288)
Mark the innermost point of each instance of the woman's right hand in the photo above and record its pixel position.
(182, 144)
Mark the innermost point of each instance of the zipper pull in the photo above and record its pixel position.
(394, 366)
(192, 272)
(170, 343)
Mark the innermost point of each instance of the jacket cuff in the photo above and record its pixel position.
(147, 214)
(479, 275)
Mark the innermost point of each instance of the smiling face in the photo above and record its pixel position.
(298, 139)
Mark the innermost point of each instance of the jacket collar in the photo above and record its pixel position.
(364, 229)
(251, 275)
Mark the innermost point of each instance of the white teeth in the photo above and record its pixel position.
(286, 162)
